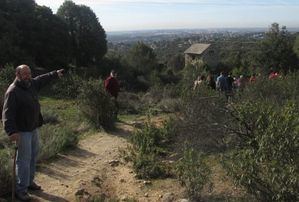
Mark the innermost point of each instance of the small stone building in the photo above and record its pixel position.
(202, 52)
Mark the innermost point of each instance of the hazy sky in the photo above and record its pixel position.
(120, 15)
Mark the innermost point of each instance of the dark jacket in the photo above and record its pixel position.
(112, 86)
(21, 109)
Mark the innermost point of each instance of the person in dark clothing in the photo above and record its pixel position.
(211, 82)
(21, 117)
(112, 87)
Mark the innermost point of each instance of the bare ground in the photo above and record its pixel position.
(95, 168)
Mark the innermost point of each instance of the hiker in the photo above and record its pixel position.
(273, 75)
(111, 85)
(199, 81)
(21, 117)
(230, 85)
(210, 81)
(221, 82)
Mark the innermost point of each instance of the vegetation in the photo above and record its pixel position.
(266, 160)
(149, 144)
(276, 50)
(87, 37)
(33, 35)
(97, 105)
(256, 133)
(193, 172)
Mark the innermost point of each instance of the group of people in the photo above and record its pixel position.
(227, 84)
(21, 117)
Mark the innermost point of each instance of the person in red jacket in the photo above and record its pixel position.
(112, 87)
(112, 84)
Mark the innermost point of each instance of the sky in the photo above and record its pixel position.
(126, 15)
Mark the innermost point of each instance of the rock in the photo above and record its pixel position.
(122, 180)
(146, 195)
(97, 181)
(114, 163)
(80, 192)
(168, 197)
(147, 182)
(183, 200)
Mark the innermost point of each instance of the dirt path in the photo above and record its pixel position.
(95, 168)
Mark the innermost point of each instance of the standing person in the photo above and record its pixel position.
(210, 81)
(221, 82)
(112, 87)
(21, 117)
(199, 81)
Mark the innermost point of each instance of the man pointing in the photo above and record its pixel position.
(21, 117)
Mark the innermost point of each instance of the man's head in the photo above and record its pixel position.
(113, 73)
(23, 74)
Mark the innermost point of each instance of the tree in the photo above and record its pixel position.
(176, 62)
(276, 50)
(51, 39)
(296, 46)
(142, 58)
(16, 30)
(31, 34)
(88, 38)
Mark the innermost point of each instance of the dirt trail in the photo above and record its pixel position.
(94, 167)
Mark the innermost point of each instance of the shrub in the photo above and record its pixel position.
(129, 103)
(53, 139)
(202, 120)
(193, 172)
(149, 144)
(67, 87)
(278, 90)
(7, 75)
(5, 171)
(266, 161)
(96, 104)
(50, 117)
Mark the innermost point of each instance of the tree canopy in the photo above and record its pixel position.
(32, 34)
(88, 38)
(276, 50)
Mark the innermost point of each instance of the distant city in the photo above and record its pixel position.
(170, 34)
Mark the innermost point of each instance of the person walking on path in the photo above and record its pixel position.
(111, 85)
(21, 116)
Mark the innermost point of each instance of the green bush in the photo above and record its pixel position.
(202, 120)
(149, 144)
(54, 139)
(7, 75)
(96, 104)
(66, 87)
(278, 90)
(193, 172)
(5, 171)
(50, 116)
(129, 103)
(266, 162)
